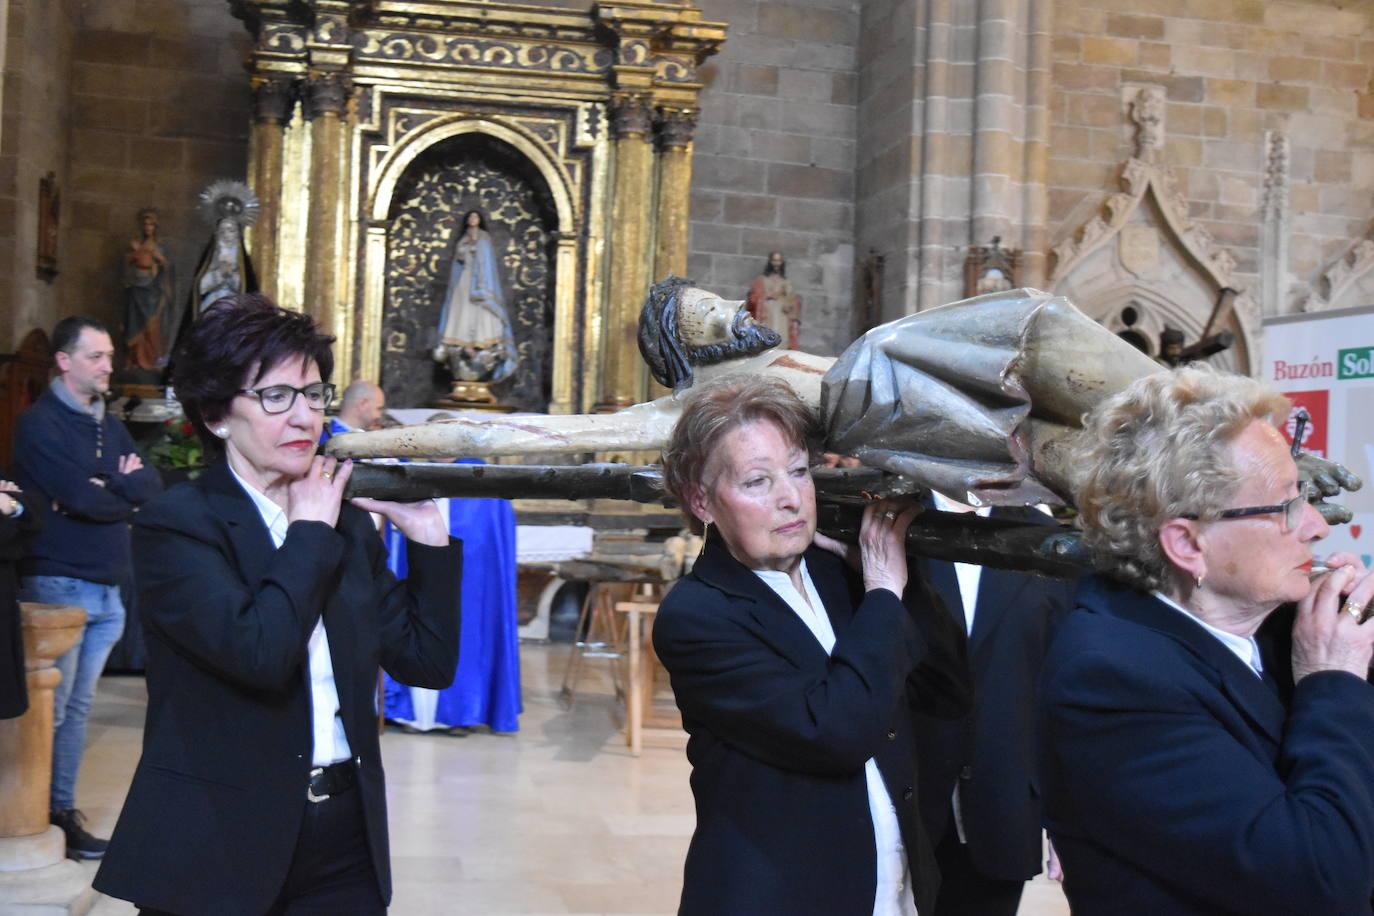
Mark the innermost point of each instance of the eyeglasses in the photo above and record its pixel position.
(1292, 509)
(280, 398)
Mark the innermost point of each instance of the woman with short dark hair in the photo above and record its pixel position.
(797, 674)
(268, 609)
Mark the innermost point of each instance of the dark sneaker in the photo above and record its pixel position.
(80, 844)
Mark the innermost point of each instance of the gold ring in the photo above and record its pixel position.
(1355, 610)
(326, 475)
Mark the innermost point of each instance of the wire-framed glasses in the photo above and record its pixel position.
(280, 398)
(1291, 509)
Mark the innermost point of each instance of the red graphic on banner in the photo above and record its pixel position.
(1314, 435)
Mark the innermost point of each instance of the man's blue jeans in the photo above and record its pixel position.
(80, 666)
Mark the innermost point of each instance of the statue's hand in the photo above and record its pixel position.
(1330, 478)
(1334, 513)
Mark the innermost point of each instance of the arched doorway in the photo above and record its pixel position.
(471, 171)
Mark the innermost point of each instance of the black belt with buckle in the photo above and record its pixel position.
(331, 780)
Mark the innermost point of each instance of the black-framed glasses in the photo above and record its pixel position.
(1292, 509)
(280, 398)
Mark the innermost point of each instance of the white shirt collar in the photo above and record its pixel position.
(273, 515)
(1244, 647)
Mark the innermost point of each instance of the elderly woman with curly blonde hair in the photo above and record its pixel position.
(1178, 777)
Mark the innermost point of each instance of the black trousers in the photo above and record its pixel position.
(331, 870)
(964, 890)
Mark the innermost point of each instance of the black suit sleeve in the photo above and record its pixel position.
(15, 533)
(420, 615)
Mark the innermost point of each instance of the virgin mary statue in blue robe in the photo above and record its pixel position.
(475, 339)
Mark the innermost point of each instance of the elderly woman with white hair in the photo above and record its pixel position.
(1178, 777)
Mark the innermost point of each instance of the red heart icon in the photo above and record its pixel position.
(1354, 531)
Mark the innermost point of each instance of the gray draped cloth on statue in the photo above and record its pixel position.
(947, 395)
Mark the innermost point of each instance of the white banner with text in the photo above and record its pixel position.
(1324, 361)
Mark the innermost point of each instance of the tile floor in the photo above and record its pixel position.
(557, 819)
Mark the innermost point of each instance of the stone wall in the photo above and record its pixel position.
(773, 164)
(160, 109)
(888, 167)
(39, 38)
(1232, 72)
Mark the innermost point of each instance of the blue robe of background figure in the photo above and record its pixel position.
(475, 339)
(486, 690)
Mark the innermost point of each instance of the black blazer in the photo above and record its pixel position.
(211, 820)
(1177, 782)
(991, 753)
(780, 733)
(15, 534)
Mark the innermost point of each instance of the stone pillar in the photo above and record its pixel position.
(937, 157)
(996, 147)
(326, 93)
(273, 99)
(34, 870)
(1035, 227)
(622, 382)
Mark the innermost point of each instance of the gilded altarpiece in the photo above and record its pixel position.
(447, 181)
(377, 122)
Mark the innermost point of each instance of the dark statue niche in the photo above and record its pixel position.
(469, 172)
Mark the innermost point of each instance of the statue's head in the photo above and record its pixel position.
(227, 232)
(777, 264)
(474, 218)
(683, 326)
(147, 221)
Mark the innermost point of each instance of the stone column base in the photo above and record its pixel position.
(37, 881)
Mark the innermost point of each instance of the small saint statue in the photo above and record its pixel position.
(149, 285)
(475, 340)
(772, 302)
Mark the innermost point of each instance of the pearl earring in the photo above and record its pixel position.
(222, 432)
(1198, 579)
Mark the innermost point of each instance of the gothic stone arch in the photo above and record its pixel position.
(1142, 248)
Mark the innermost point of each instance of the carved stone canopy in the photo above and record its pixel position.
(1348, 282)
(1143, 248)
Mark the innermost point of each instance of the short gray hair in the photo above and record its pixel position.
(1156, 451)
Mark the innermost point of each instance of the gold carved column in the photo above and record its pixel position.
(675, 127)
(325, 97)
(632, 194)
(273, 100)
